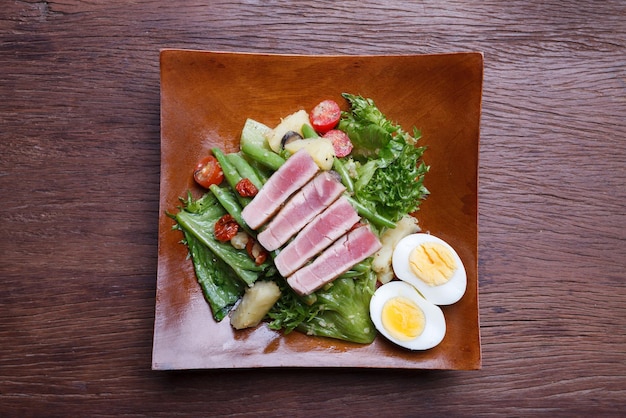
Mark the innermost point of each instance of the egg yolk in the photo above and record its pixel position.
(403, 319)
(432, 263)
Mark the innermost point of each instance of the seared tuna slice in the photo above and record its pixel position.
(291, 176)
(316, 236)
(348, 250)
(299, 210)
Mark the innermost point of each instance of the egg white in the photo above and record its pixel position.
(444, 294)
(434, 329)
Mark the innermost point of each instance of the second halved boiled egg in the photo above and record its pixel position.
(432, 266)
(406, 318)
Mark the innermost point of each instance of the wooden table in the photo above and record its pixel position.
(79, 175)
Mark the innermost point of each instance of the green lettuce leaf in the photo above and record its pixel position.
(340, 310)
(222, 271)
(390, 173)
(398, 188)
(219, 284)
(198, 218)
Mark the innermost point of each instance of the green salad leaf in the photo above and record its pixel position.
(219, 285)
(340, 310)
(398, 188)
(223, 271)
(390, 171)
(368, 129)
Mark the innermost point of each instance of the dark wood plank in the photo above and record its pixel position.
(79, 174)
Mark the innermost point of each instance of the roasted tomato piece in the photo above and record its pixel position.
(208, 171)
(256, 251)
(341, 142)
(226, 228)
(325, 116)
(246, 188)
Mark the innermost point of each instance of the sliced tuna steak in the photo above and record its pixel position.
(291, 176)
(348, 250)
(322, 231)
(300, 209)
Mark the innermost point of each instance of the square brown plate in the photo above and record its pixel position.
(205, 100)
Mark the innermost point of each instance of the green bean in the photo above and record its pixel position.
(359, 269)
(244, 168)
(231, 174)
(309, 299)
(308, 131)
(264, 156)
(370, 215)
(227, 199)
(262, 172)
(351, 274)
(340, 168)
(362, 266)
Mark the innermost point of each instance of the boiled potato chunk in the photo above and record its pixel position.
(321, 149)
(255, 304)
(381, 263)
(292, 122)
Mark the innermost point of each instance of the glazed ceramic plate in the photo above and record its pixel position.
(206, 98)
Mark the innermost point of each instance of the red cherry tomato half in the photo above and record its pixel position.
(208, 172)
(341, 142)
(325, 116)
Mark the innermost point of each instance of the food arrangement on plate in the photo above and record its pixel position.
(310, 227)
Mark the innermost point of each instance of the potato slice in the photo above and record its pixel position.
(321, 149)
(292, 122)
(255, 304)
(381, 263)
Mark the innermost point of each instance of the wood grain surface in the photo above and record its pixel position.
(79, 177)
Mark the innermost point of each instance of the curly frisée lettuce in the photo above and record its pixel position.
(390, 173)
(397, 189)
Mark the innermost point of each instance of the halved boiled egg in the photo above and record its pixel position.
(406, 318)
(432, 266)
